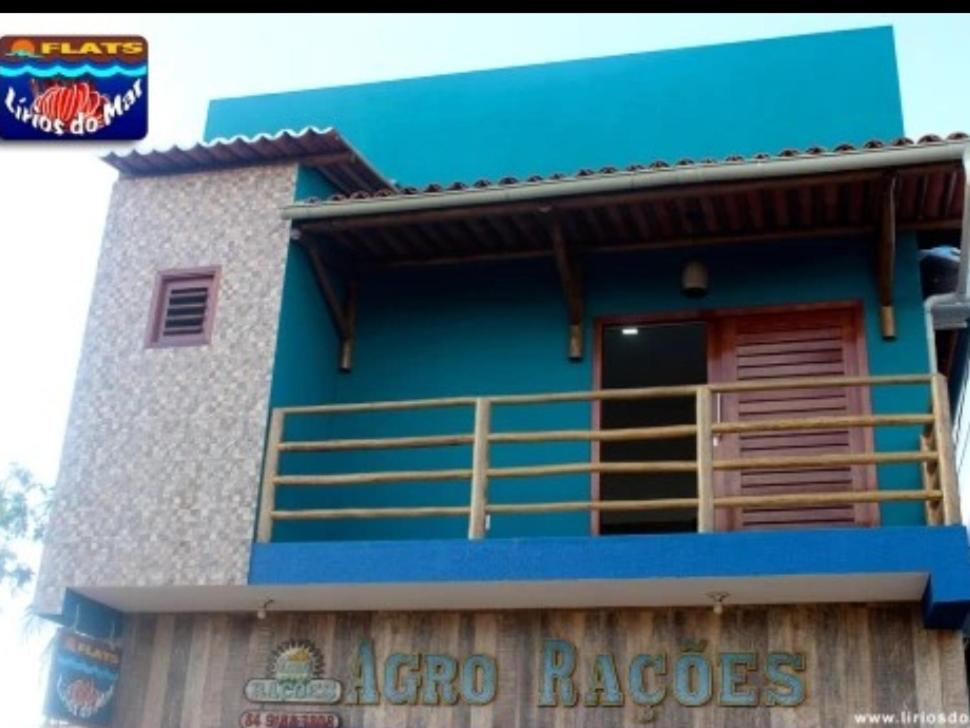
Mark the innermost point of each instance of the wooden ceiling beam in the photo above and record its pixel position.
(485, 238)
(600, 236)
(806, 209)
(501, 228)
(525, 228)
(756, 209)
(934, 196)
(921, 190)
(950, 196)
(711, 221)
(617, 223)
(781, 208)
(733, 212)
(856, 203)
(473, 258)
(640, 221)
(430, 237)
(664, 219)
(683, 218)
(663, 242)
(394, 242)
(830, 201)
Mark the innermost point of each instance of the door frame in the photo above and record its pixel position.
(707, 315)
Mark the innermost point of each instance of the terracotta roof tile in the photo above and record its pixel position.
(788, 153)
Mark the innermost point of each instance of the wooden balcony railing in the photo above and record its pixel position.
(935, 456)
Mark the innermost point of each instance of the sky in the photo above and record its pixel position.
(53, 198)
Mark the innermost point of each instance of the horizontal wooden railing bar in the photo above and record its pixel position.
(935, 457)
(765, 385)
(394, 404)
(656, 466)
(376, 443)
(684, 390)
(655, 504)
(327, 514)
(808, 461)
(386, 476)
(823, 499)
(617, 434)
(819, 423)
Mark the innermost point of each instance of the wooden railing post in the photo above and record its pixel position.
(705, 463)
(932, 509)
(479, 495)
(267, 499)
(946, 463)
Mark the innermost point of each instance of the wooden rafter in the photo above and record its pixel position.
(570, 276)
(886, 256)
(342, 312)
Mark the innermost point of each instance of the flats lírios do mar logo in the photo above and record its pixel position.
(70, 88)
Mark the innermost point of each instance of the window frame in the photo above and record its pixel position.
(209, 276)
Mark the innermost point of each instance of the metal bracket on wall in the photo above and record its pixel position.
(342, 312)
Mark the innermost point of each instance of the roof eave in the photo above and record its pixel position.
(261, 149)
(949, 151)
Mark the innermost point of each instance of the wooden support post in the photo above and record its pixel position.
(886, 257)
(350, 322)
(928, 473)
(480, 464)
(344, 315)
(705, 461)
(271, 462)
(946, 464)
(570, 277)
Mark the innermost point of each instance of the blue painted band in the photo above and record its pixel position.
(941, 552)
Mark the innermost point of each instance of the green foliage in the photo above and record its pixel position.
(24, 507)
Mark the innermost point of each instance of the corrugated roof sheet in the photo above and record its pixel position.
(790, 153)
(323, 149)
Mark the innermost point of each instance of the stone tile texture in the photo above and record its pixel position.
(161, 462)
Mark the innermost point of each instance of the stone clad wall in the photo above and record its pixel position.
(191, 670)
(160, 467)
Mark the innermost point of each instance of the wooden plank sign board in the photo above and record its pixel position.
(751, 666)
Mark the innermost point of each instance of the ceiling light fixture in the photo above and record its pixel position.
(261, 612)
(630, 331)
(718, 599)
(693, 279)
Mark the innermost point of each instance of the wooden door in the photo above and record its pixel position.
(816, 343)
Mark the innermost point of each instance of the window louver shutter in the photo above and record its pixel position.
(185, 310)
(183, 307)
(812, 343)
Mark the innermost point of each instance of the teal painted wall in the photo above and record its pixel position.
(305, 333)
(500, 328)
(738, 98)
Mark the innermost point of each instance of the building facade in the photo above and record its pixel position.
(559, 443)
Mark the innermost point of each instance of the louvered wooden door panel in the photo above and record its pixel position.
(810, 343)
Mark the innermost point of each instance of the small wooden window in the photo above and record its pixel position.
(183, 307)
